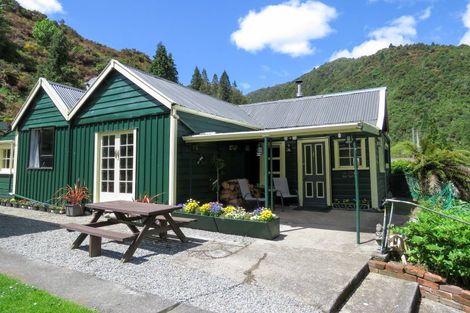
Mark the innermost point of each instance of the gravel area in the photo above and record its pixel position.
(155, 267)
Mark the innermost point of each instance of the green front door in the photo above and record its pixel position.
(314, 175)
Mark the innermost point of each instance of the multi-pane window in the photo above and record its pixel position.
(126, 160)
(41, 150)
(107, 163)
(6, 158)
(344, 153)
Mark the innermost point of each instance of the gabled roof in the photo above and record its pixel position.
(64, 98)
(366, 105)
(171, 94)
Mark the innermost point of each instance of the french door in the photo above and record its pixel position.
(117, 167)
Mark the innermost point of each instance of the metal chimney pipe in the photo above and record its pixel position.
(299, 88)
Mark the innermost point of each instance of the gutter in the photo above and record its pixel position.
(359, 127)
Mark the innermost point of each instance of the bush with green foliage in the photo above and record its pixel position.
(401, 166)
(401, 149)
(434, 167)
(440, 243)
(44, 30)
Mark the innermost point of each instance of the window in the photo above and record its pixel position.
(41, 150)
(344, 154)
(6, 159)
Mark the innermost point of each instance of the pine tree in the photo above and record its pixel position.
(225, 88)
(55, 67)
(237, 96)
(196, 80)
(214, 91)
(205, 87)
(163, 64)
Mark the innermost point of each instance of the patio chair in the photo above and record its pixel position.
(282, 190)
(246, 193)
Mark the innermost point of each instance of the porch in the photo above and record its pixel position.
(312, 159)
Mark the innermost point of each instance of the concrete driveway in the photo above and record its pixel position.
(312, 262)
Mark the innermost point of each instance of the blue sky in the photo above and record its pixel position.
(262, 43)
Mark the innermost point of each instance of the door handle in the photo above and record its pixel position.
(116, 154)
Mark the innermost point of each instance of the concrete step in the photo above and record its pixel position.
(383, 294)
(429, 306)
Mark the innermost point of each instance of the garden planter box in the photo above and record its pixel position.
(264, 230)
(73, 210)
(202, 222)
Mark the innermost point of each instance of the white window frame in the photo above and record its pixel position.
(38, 147)
(3, 148)
(362, 163)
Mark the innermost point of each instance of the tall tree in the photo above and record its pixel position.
(225, 88)
(163, 64)
(55, 67)
(196, 80)
(237, 97)
(43, 31)
(206, 86)
(215, 86)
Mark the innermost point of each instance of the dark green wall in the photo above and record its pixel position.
(152, 166)
(117, 98)
(194, 180)
(41, 184)
(5, 185)
(42, 113)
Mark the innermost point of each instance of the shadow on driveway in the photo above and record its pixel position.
(17, 226)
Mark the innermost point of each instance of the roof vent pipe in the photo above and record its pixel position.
(299, 88)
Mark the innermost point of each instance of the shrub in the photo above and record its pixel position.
(401, 166)
(440, 243)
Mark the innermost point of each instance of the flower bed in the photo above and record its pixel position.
(213, 216)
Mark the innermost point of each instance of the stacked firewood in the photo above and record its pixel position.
(230, 193)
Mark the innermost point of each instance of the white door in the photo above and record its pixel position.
(117, 167)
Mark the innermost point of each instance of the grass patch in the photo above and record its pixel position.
(18, 297)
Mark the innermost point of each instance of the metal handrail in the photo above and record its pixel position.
(386, 225)
(427, 209)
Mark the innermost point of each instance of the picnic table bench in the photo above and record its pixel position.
(153, 219)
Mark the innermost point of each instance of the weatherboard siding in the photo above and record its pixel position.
(42, 113)
(152, 163)
(118, 98)
(5, 185)
(42, 184)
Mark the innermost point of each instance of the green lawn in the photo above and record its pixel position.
(18, 297)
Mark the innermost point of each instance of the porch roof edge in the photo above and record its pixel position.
(359, 127)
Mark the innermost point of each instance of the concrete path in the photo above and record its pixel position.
(87, 290)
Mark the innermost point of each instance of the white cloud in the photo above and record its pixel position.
(286, 28)
(399, 32)
(43, 6)
(425, 14)
(466, 22)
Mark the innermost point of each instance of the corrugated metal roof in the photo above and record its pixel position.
(68, 95)
(193, 99)
(347, 107)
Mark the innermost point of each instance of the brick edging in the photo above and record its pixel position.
(431, 286)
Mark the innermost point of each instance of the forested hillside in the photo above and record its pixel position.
(21, 55)
(428, 88)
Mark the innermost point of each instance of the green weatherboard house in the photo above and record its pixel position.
(131, 133)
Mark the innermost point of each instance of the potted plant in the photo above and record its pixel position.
(72, 197)
(13, 202)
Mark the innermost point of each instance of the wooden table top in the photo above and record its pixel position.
(132, 207)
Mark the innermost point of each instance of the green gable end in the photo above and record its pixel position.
(42, 113)
(116, 99)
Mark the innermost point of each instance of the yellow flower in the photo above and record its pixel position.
(266, 215)
(190, 206)
(204, 209)
(229, 209)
